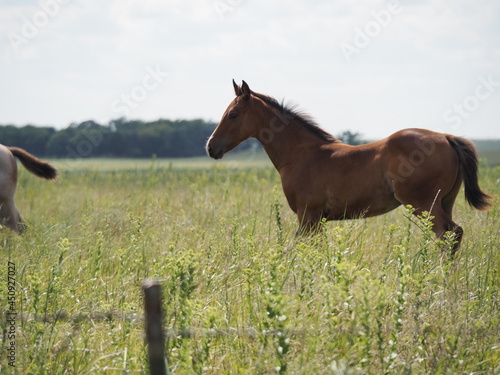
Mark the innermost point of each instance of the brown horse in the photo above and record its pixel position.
(9, 214)
(323, 178)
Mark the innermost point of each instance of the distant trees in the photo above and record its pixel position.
(118, 138)
(29, 137)
(124, 138)
(351, 138)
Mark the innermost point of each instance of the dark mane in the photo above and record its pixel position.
(303, 118)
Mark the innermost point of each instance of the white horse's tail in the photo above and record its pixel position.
(36, 166)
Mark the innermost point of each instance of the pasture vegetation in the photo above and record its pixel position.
(369, 296)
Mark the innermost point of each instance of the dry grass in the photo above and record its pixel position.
(369, 296)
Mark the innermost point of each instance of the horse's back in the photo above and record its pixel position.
(414, 138)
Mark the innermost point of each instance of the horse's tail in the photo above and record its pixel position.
(36, 166)
(467, 157)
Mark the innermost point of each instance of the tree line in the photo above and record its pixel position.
(122, 138)
(118, 138)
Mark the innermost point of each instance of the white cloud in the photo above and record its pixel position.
(428, 57)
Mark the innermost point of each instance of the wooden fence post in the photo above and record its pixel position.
(154, 329)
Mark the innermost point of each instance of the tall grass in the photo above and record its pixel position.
(241, 294)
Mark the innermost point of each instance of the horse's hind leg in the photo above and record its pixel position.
(438, 203)
(442, 223)
(440, 209)
(10, 216)
(447, 204)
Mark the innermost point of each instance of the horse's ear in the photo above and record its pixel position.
(237, 89)
(245, 90)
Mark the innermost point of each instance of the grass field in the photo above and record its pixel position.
(489, 150)
(369, 296)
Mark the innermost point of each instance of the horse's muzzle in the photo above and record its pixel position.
(214, 151)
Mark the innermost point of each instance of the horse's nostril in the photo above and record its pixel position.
(214, 153)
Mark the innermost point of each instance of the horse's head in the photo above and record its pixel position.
(237, 123)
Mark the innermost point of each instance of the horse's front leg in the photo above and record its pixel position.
(309, 226)
(309, 222)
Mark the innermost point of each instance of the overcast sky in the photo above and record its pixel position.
(372, 67)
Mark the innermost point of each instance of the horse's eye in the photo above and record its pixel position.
(233, 115)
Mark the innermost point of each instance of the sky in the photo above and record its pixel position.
(371, 67)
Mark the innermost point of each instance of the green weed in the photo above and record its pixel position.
(370, 296)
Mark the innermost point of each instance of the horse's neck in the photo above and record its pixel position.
(285, 140)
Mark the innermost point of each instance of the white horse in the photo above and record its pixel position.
(9, 214)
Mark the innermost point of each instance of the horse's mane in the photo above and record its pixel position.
(303, 118)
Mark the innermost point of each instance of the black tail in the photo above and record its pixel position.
(467, 156)
(36, 166)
